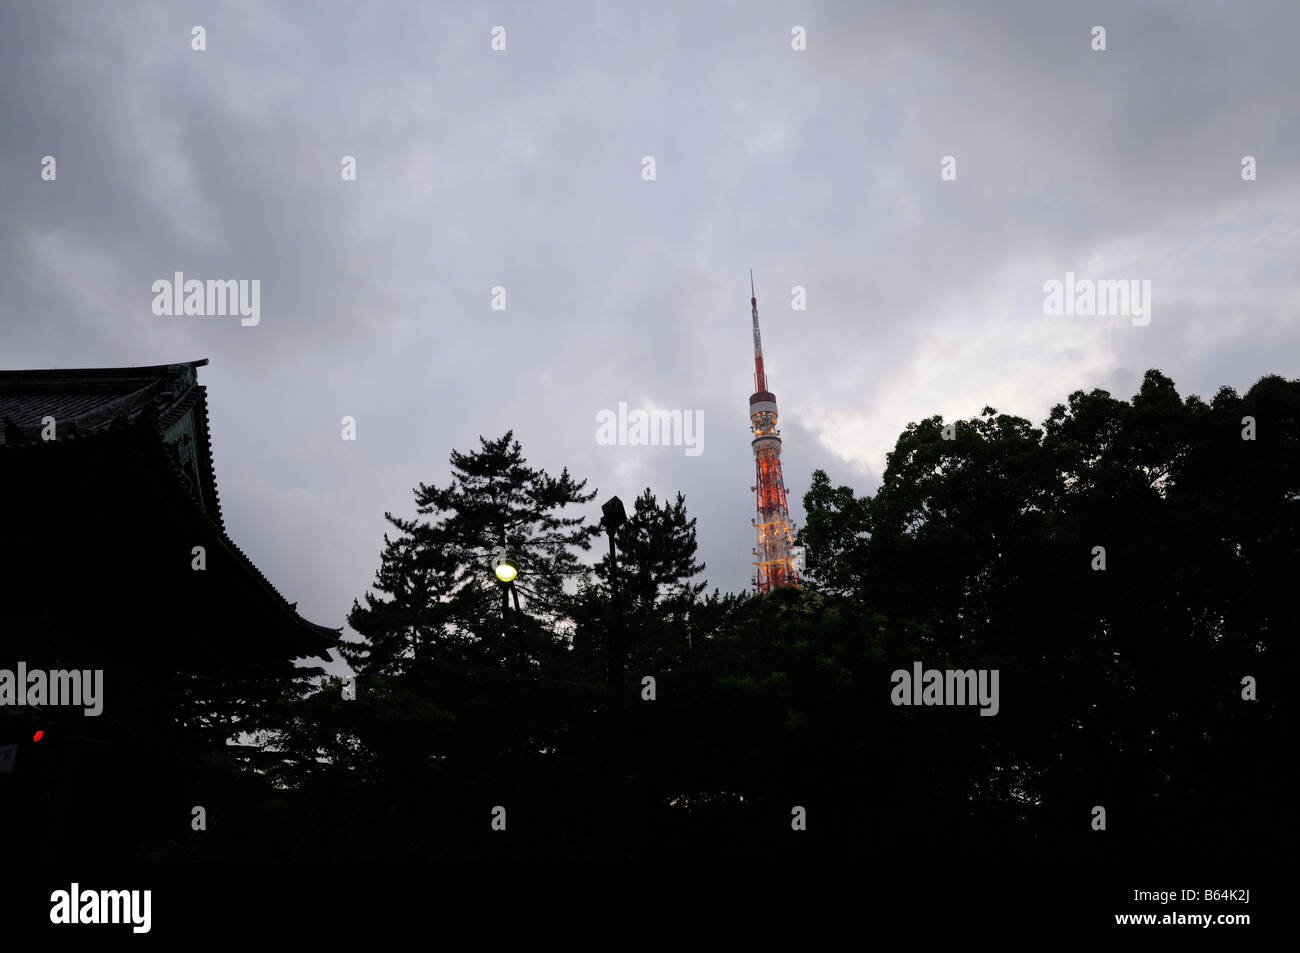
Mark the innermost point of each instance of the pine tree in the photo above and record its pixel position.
(443, 597)
(656, 548)
(656, 563)
(433, 727)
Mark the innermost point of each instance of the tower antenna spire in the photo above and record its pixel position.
(760, 376)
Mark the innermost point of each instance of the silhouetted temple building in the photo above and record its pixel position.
(114, 557)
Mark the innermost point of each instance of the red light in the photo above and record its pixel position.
(38, 736)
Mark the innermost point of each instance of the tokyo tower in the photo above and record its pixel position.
(774, 562)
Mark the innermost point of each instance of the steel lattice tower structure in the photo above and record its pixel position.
(774, 562)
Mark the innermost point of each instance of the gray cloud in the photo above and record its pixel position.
(522, 169)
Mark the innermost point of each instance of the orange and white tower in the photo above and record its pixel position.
(774, 559)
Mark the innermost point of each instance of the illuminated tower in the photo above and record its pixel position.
(774, 561)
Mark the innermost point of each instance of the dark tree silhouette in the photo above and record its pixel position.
(1125, 567)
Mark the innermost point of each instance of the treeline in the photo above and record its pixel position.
(1127, 568)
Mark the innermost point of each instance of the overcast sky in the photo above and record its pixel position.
(523, 168)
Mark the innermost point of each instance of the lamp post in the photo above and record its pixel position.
(506, 571)
(614, 517)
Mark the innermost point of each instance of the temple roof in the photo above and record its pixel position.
(88, 401)
(92, 396)
(162, 404)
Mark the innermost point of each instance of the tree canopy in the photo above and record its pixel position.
(1124, 567)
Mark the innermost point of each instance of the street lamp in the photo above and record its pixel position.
(614, 517)
(506, 571)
